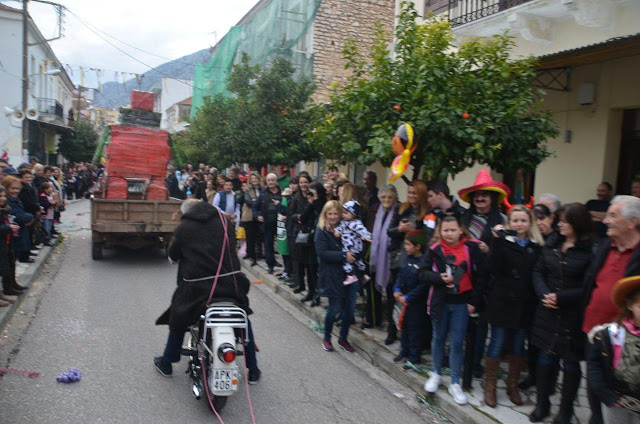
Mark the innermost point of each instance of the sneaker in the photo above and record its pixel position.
(254, 376)
(162, 367)
(346, 346)
(458, 395)
(407, 367)
(326, 345)
(350, 280)
(433, 382)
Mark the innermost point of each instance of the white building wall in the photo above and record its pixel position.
(173, 91)
(40, 86)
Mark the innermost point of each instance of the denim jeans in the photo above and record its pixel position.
(48, 225)
(270, 230)
(348, 305)
(499, 338)
(551, 360)
(174, 347)
(453, 321)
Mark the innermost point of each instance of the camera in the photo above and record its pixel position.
(504, 232)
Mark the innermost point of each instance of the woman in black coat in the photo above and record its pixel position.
(558, 283)
(510, 298)
(7, 256)
(409, 216)
(306, 253)
(24, 219)
(331, 275)
(295, 208)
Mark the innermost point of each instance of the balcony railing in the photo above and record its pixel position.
(465, 11)
(51, 107)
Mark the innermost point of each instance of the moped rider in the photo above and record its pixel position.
(197, 246)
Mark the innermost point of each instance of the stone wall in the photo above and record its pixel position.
(335, 22)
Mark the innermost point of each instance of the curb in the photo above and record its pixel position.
(375, 353)
(26, 279)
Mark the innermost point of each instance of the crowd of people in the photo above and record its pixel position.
(545, 285)
(32, 200)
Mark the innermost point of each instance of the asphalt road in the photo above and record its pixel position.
(99, 317)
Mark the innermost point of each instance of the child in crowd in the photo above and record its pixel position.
(411, 292)
(511, 300)
(456, 273)
(352, 232)
(613, 363)
(48, 209)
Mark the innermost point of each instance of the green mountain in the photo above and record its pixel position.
(115, 95)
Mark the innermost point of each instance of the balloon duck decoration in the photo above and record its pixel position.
(403, 146)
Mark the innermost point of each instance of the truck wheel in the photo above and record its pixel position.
(96, 250)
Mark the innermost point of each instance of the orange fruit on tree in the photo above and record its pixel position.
(398, 108)
(466, 115)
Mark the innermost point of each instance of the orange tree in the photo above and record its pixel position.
(263, 122)
(469, 103)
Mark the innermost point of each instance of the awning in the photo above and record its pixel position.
(614, 48)
(60, 129)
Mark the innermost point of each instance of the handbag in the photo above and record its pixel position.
(305, 238)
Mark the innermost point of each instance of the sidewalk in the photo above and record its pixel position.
(26, 275)
(369, 343)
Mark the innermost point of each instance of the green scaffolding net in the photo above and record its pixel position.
(273, 28)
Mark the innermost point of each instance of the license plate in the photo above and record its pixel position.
(224, 380)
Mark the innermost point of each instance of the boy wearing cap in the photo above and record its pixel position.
(352, 232)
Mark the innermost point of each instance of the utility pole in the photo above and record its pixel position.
(25, 74)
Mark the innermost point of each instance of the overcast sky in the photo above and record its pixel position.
(166, 28)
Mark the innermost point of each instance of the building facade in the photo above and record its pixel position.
(49, 92)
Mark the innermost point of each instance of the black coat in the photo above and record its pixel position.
(331, 275)
(600, 365)
(396, 251)
(266, 208)
(173, 187)
(5, 242)
(29, 197)
(307, 254)
(558, 331)
(437, 289)
(510, 297)
(197, 244)
(23, 242)
(600, 255)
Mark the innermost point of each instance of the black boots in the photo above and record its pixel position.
(543, 387)
(570, 386)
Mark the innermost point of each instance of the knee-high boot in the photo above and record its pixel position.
(543, 388)
(570, 386)
(491, 367)
(516, 363)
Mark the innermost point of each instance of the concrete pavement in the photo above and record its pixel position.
(99, 317)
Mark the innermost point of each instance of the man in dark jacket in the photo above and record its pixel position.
(267, 208)
(616, 257)
(442, 204)
(198, 246)
(172, 183)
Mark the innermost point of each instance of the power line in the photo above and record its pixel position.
(127, 44)
(134, 58)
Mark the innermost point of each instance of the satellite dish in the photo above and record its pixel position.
(32, 114)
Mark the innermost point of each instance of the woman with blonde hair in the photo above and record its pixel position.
(331, 275)
(510, 297)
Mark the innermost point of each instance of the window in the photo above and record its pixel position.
(436, 6)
